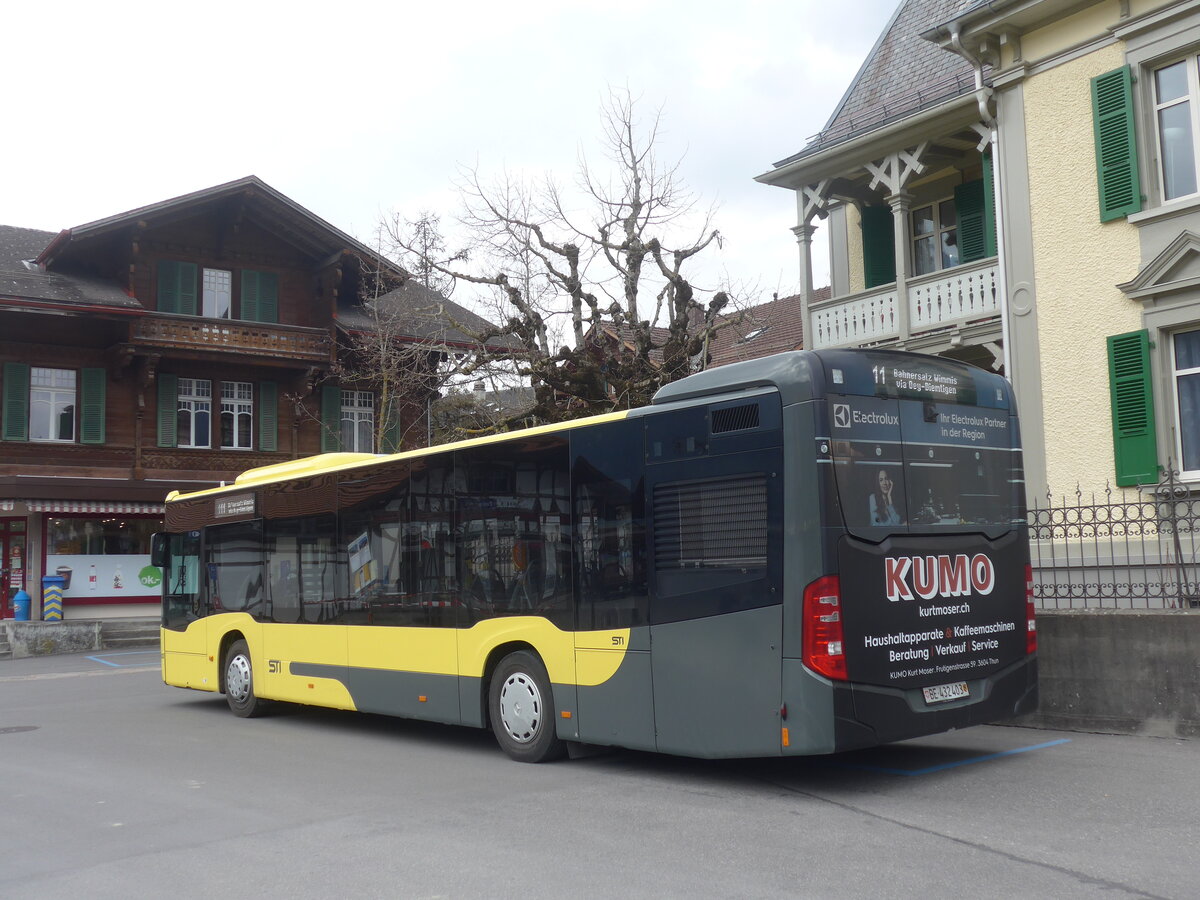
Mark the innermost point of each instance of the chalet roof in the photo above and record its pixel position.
(903, 74)
(425, 315)
(21, 278)
(764, 330)
(250, 198)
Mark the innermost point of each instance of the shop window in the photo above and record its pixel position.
(103, 557)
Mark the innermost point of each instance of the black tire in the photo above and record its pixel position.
(521, 709)
(239, 682)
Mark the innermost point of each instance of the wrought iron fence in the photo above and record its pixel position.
(1113, 553)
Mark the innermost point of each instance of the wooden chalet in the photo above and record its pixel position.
(172, 347)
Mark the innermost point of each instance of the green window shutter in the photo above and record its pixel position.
(250, 296)
(268, 416)
(177, 287)
(972, 233)
(168, 410)
(260, 296)
(268, 297)
(331, 418)
(16, 402)
(94, 386)
(989, 206)
(1134, 444)
(390, 439)
(879, 245)
(1116, 144)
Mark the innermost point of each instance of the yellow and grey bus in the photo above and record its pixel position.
(817, 551)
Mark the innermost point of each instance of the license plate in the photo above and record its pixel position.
(943, 692)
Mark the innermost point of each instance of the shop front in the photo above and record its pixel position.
(100, 549)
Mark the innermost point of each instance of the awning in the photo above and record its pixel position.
(94, 506)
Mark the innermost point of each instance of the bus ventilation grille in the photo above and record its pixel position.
(735, 418)
(721, 522)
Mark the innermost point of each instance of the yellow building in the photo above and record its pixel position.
(1015, 183)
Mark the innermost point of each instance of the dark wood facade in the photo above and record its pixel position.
(122, 303)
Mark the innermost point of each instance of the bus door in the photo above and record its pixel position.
(612, 639)
(715, 499)
(185, 631)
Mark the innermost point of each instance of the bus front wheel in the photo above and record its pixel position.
(521, 710)
(239, 682)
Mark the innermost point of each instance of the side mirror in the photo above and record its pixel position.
(158, 549)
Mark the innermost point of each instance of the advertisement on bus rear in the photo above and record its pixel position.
(928, 611)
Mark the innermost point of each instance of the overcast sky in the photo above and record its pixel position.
(357, 109)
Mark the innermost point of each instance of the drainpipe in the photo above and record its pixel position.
(982, 95)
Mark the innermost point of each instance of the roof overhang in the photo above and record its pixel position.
(983, 21)
(288, 219)
(850, 155)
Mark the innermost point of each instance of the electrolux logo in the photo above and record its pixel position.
(841, 415)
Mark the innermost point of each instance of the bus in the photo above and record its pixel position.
(803, 554)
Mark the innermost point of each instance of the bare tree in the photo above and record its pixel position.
(592, 284)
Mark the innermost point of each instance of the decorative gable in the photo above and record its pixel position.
(1176, 268)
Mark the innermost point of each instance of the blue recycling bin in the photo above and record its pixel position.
(21, 606)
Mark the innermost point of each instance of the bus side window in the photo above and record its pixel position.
(235, 563)
(610, 526)
(514, 531)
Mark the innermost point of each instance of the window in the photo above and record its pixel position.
(1186, 364)
(1175, 127)
(218, 293)
(194, 411)
(358, 421)
(178, 292)
(935, 237)
(40, 404)
(103, 556)
(52, 405)
(237, 415)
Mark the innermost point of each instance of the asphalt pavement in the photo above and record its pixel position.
(113, 785)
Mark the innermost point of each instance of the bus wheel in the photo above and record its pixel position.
(522, 710)
(239, 683)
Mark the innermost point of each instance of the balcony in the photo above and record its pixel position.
(937, 302)
(225, 336)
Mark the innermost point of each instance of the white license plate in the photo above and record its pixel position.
(942, 692)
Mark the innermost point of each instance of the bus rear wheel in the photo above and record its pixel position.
(239, 682)
(521, 705)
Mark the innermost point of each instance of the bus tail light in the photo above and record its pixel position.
(822, 646)
(1030, 615)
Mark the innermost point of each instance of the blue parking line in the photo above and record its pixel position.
(952, 765)
(117, 665)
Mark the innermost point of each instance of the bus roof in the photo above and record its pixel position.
(334, 462)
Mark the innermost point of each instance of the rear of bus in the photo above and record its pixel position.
(917, 613)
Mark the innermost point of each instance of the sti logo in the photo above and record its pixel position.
(841, 415)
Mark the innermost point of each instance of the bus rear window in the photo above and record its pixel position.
(904, 466)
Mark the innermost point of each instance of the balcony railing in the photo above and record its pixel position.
(189, 333)
(955, 296)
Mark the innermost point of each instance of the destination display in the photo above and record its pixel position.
(925, 616)
(915, 378)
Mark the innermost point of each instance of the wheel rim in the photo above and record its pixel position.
(521, 707)
(237, 679)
